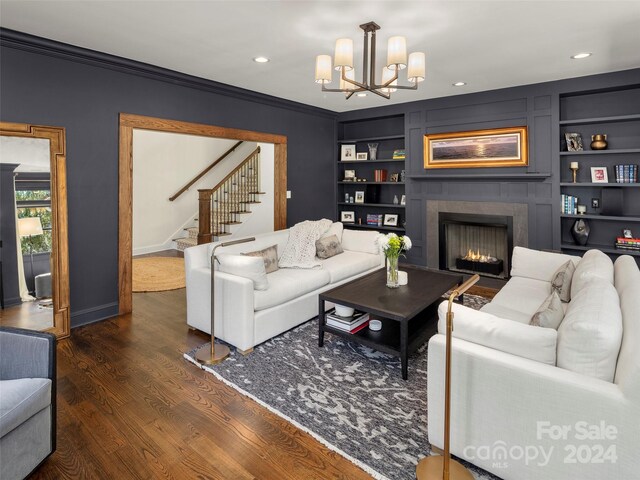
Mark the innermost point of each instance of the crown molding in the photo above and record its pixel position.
(44, 46)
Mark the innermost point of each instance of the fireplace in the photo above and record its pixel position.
(475, 243)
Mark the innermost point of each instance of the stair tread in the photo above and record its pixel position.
(230, 223)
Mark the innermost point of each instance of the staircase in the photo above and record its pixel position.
(225, 205)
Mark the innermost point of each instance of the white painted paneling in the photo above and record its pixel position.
(162, 164)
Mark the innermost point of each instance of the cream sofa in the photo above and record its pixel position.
(245, 317)
(525, 397)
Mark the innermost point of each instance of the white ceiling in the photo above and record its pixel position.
(488, 44)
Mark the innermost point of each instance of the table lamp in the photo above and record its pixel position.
(30, 227)
(217, 353)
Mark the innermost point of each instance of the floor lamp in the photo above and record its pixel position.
(28, 227)
(442, 467)
(217, 353)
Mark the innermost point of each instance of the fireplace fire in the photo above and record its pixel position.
(475, 261)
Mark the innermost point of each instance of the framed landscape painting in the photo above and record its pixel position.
(499, 147)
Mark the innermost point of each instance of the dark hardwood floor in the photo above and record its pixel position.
(129, 406)
(30, 315)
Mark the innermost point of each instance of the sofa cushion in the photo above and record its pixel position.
(561, 280)
(336, 229)
(360, 241)
(520, 295)
(594, 265)
(245, 266)
(482, 328)
(20, 400)
(328, 247)
(589, 337)
(349, 264)
(538, 265)
(269, 256)
(628, 366)
(626, 273)
(289, 283)
(550, 313)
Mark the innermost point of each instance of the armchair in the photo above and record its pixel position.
(27, 400)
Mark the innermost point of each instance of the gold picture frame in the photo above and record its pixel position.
(498, 147)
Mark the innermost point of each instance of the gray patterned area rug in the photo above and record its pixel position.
(349, 397)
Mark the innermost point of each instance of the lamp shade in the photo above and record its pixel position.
(323, 69)
(344, 54)
(416, 70)
(397, 53)
(29, 226)
(350, 74)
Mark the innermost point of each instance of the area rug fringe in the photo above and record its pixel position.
(355, 461)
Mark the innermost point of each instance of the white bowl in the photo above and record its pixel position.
(344, 311)
(375, 325)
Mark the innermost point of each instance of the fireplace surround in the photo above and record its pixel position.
(514, 218)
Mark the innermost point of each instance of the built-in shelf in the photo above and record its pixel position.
(373, 227)
(610, 184)
(604, 248)
(483, 176)
(381, 205)
(603, 217)
(380, 160)
(371, 183)
(602, 152)
(587, 121)
(371, 139)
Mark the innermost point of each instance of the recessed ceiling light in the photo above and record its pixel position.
(459, 84)
(578, 56)
(261, 59)
(361, 94)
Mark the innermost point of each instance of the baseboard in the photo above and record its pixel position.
(93, 314)
(10, 302)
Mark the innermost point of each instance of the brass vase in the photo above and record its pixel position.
(599, 141)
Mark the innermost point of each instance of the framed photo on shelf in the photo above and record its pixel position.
(390, 220)
(360, 196)
(348, 153)
(394, 177)
(498, 147)
(626, 233)
(599, 175)
(574, 142)
(403, 200)
(347, 217)
(349, 175)
(362, 156)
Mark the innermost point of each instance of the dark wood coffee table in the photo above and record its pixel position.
(409, 313)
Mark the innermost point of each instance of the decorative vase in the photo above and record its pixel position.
(373, 151)
(599, 142)
(392, 272)
(580, 231)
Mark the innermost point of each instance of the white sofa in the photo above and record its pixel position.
(520, 390)
(245, 317)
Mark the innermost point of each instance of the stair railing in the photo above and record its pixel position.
(204, 172)
(221, 206)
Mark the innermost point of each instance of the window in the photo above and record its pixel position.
(35, 203)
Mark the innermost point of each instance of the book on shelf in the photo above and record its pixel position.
(351, 324)
(569, 204)
(626, 173)
(380, 175)
(399, 154)
(372, 219)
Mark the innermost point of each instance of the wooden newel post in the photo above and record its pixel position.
(204, 216)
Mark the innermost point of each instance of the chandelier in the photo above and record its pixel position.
(396, 61)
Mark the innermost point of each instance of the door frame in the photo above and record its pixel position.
(127, 123)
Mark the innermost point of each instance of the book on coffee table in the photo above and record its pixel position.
(350, 324)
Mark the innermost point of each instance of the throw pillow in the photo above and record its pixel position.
(328, 247)
(245, 266)
(550, 313)
(269, 256)
(561, 280)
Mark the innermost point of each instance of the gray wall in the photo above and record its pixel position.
(47, 83)
(8, 253)
(537, 107)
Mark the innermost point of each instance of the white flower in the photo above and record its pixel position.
(407, 242)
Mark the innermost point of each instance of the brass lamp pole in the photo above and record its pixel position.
(217, 353)
(438, 467)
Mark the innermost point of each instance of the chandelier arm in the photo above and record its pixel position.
(404, 87)
(386, 85)
(365, 57)
(383, 95)
(352, 82)
(372, 70)
(350, 94)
